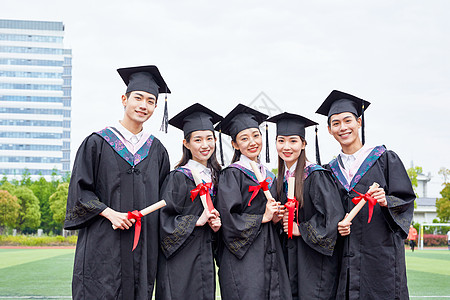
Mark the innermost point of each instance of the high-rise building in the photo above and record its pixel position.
(35, 98)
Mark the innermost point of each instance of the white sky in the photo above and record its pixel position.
(394, 54)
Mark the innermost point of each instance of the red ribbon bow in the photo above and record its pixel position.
(367, 197)
(292, 206)
(203, 189)
(264, 185)
(137, 231)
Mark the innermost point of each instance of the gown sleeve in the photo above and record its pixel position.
(175, 227)
(164, 167)
(319, 230)
(82, 203)
(399, 194)
(239, 229)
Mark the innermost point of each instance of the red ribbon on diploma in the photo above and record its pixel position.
(292, 207)
(264, 185)
(135, 214)
(371, 200)
(203, 189)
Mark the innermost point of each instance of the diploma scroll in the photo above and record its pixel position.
(360, 204)
(203, 197)
(291, 186)
(149, 209)
(260, 178)
(291, 205)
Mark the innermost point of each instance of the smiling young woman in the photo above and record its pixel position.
(187, 228)
(250, 257)
(312, 261)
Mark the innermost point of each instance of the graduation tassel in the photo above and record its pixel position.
(165, 120)
(267, 144)
(317, 148)
(220, 146)
(362, 121)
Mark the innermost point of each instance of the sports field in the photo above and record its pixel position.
(46, 273)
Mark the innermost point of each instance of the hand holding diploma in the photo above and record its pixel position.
(271, 209)
(344, 225)
(135, 217)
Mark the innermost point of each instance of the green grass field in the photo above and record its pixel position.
(46, 273)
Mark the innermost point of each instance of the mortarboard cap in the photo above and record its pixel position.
(144, 78)
(195, 117)
(338, 102)
(240, 118)
(291, 124)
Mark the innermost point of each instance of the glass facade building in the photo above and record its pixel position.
(35, 98)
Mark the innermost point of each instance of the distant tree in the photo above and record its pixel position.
(58, 202)
(4, 179)
(29, 214)
(412, 173)
(43, 189)
(7, 186)
(443, 204)
(26, 178)
(55, 178)
(9, 210)
(66, 177)
(445, 173)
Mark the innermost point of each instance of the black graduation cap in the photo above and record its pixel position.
(291, 124)
(195, 117)
(338, 102)
(240, 118)
(144, 78)
(147, 79)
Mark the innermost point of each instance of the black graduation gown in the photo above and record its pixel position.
(250, 257)
(313, 265)
(186, 268)
(104, 176)
(373, 262)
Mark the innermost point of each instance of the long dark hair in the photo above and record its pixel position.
(299, 173)
(212, 163)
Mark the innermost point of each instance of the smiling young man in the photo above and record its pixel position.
(373, 260)
(116, 170)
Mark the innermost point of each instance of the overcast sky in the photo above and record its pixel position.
(394, 54)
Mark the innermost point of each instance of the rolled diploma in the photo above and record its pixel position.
(150, 209)
(291, 185)
(260, 178)
(355, 210)
(198, 181)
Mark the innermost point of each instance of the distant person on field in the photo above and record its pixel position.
(448, 239)
(412, 236)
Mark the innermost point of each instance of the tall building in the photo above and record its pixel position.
(35, 98)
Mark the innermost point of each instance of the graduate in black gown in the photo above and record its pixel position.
(312, 262)
(373, 262)
(186, 267)
(250, 258)
(117, 170)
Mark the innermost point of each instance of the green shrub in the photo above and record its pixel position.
(434, 240)
(27, 240)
